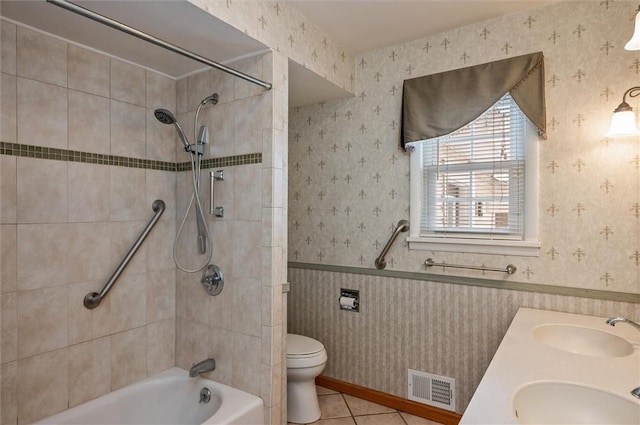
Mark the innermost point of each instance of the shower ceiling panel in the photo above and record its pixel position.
(177, 22)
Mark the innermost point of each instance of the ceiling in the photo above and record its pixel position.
(360, 25)
(365, 25)
(193, 31)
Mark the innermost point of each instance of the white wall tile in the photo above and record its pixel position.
(88, 71)
(42, 255)
(40, 380)
(89, 370)
(128, 130)
(9, 388)
(247, 189)
(128, 83)
(42, 191)
(89, 122)
(161, 346)
(41, 57)
(9, 312)
(8, 99)
(128, 357)
(8, 258)
(42, 320)
(88, 192)
(42, 114)
(8, 47)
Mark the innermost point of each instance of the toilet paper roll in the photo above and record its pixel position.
(347, 302)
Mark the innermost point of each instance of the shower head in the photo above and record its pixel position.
(166, 117)
(213, 98)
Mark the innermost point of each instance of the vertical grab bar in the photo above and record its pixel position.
(213, 210)
(403, 226)
(93, 299)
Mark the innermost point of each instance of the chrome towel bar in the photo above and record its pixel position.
(510, 269)
(93, 299)
(403, 226)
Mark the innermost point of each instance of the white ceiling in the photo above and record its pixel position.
(360, 25)
(178, 22)
(365, 25)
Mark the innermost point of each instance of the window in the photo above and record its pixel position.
(475, 190)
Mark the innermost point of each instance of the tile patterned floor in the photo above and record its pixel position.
(343, 409)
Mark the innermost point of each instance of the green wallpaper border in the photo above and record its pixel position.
(40, 152)
(480, 282)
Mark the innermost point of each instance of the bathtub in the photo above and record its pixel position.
(170, 397)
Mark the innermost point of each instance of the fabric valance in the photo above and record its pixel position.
(438, 104)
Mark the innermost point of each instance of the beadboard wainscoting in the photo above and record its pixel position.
(442, 328)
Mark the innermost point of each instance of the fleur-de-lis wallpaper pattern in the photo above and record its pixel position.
(348, 181)
(284, 29)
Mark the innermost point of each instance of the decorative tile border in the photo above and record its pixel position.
(226, 161)
(29, 151)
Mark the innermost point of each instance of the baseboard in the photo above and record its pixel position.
(418, 409)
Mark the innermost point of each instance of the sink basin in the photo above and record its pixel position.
(565, 403)
(581, 340)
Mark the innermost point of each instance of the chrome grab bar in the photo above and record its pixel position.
(510, 269)
(403, 226)
(93, 299)
(213, 210)
(72, 7)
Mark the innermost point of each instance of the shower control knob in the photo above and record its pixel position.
(212, 280)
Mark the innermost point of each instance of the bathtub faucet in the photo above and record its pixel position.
(204, 366)
(613, 322)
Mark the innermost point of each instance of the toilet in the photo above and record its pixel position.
(306, 358)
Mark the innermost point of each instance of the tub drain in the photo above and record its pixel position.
(205, 395)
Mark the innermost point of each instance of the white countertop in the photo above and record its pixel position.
(522, 359)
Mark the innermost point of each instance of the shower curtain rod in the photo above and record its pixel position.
(154, 40)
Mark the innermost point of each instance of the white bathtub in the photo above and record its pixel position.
(170, 397)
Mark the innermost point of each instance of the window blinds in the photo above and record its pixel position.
(473, 178)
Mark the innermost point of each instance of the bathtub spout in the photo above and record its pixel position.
(204, 366)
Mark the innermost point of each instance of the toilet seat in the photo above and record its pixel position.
(300, 345)
(303, 352)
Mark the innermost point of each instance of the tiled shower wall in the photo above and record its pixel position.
(242, 327)
(66, 223)
(73, 200)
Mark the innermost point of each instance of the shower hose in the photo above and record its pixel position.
(196, 159)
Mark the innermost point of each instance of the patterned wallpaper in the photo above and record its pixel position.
(348, 182)
(285, 30)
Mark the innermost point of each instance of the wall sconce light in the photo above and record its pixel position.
(623, 122)
(634, 43)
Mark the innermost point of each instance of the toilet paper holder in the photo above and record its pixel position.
(349, 300)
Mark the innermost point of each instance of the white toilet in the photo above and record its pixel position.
(306, 358)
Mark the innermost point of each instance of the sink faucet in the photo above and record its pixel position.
(204, 366)
(636, 391)
(613, 321)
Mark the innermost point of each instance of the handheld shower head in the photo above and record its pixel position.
(166, 117)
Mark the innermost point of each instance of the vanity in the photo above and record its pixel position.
(560, 368)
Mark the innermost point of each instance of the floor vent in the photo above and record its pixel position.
(434, 390)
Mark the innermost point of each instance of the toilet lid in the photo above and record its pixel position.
(300, 345)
